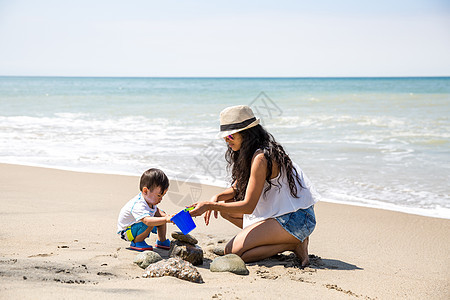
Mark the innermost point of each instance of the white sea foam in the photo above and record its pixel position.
(436, 212)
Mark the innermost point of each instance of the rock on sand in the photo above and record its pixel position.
(229, 263)
(175, 267)
(146, 258)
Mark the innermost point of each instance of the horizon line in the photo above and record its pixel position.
(228, 77)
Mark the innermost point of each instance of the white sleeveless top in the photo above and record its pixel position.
(279, 201)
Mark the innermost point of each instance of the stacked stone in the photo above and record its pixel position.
(184, 253)
(185, 247)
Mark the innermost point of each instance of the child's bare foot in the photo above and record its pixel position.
(302, 252)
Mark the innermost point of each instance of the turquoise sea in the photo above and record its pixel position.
(377, 142)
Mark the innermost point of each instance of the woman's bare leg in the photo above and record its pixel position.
(301, 250)
(262, 252)
(264, 239)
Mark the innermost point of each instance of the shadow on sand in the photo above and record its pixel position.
(316, 262)
(288, 261)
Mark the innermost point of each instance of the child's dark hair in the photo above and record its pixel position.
(153, 178)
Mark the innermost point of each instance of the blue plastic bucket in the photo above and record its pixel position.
(184, 221)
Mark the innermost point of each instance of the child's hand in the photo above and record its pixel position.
(168, 217)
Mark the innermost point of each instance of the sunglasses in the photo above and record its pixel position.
(230, 137)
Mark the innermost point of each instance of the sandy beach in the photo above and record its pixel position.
(58, 241)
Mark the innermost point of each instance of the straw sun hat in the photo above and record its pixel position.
(236, 118)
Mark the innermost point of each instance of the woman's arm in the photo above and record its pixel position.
(226, 195)
(254, 189)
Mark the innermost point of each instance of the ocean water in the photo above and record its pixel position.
(377, 142)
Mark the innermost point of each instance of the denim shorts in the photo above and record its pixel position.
(300, 223)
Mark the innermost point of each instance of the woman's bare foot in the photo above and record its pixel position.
(302, 252)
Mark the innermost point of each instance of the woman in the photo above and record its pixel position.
(270, 197)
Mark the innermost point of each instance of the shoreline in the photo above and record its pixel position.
(57, 235)
(388, 207)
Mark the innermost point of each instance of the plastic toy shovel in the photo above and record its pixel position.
(184, 221)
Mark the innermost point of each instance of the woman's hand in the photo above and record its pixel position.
(208, 213)
(199, 208)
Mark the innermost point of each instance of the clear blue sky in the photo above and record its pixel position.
(225, 38)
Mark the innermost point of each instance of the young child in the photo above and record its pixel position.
(140, 215)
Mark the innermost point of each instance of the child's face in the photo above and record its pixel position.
(153, 197)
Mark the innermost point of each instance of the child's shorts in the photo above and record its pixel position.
(133, 231)
(300, 223)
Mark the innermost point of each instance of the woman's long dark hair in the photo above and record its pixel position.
(240, 161)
